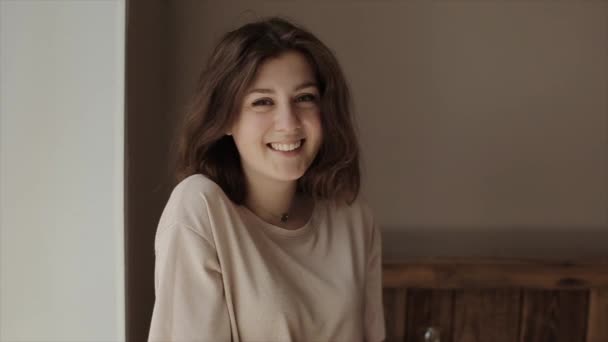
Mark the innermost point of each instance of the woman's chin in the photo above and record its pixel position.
(289, 175)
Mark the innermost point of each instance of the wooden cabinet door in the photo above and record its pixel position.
(496, 315)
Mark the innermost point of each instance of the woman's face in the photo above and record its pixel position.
(278, 129)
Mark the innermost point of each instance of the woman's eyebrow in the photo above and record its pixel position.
(306, 85)
(271, 91)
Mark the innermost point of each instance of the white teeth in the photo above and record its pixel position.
(286, 147)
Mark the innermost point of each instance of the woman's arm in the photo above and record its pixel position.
(190, 304)
(375, 330)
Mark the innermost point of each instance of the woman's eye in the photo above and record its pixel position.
(306, 98)
(263, 102)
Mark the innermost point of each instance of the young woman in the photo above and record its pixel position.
(264, 237)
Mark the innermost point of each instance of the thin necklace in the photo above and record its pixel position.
(284, 217)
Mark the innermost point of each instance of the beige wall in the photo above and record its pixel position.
(483, 124)
(62, 117)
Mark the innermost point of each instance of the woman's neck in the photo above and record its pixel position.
(271, 199)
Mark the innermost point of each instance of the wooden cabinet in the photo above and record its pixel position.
(467, 300)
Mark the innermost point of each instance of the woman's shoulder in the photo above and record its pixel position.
(196, 183)
(359, 207)
(355, 219)
(188, 203)
(356, 216)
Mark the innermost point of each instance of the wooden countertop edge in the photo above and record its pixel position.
(496, 261)
(458, 272)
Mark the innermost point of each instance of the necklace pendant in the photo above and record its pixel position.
(284, 217)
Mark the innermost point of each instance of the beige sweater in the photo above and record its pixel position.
(223, 274)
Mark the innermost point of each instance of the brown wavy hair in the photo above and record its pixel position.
(202, 144)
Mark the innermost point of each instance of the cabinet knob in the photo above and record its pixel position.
(431, 334)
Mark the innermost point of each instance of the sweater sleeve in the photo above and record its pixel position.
(190, 304)
(374, 309)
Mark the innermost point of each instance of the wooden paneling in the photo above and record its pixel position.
(486, 315)
(554, 316)
(597, 325)
(395, 303)
(471, 300)
(429, 309)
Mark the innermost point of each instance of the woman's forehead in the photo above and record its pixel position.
(288, 71)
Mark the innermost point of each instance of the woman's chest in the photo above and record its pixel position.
(281, 294)
(295, 307)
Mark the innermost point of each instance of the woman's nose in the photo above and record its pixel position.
(287, 118)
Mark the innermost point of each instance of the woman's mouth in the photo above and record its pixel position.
(286, 147)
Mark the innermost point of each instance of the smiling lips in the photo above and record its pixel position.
(286, 147)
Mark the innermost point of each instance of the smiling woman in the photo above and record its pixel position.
(278, 132)
(264, 237)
